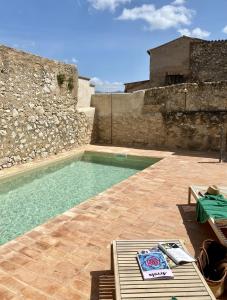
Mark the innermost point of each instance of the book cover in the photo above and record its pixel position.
(153, 265)
(177, 254)
(170, 262)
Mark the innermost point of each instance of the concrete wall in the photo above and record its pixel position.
(85, 91)
(158, 117)
(38, 115)
(208, 61)
(114, 111)
(171, 58)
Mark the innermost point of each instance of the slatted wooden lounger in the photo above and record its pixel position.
(188, 283)
(219, 226)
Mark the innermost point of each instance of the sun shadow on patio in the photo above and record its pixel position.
(196, 232)
(102, 285)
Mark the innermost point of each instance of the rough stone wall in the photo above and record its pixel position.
(208, 61)
(187, 96)
(197, 130)
(38, 115)
(158, 117)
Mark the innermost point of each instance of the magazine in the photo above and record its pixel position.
(170, 262)
(153, 265)
(177, 254)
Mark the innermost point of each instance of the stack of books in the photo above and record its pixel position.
(156, 263)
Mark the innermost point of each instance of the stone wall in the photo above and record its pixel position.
(158, 117)
(38, 115)
(187, 96)
(199, 130)
(208, 61)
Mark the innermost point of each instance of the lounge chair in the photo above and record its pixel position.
(219, 226)
(188, 283)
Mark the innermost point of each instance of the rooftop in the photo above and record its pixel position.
(184, 37)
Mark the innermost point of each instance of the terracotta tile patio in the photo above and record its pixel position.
(69, 257)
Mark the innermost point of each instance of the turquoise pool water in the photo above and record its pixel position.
(31, 198)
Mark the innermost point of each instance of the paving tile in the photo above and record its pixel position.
(82, 286)
(6, 294)
(34, 234)
(25, 240)
(63, 271)
(68, 293)
(8, 266)
(33, 253)
(25, 275)
(17, 258)
(29, 293)
(12, 283)
(46, 285)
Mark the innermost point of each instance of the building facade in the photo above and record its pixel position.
(185, 59)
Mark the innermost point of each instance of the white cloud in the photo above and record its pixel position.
(196, 32)
(107, 4)
(106, 86)
(225, 29)
(178, 2)
(74, 60)
(159, 18)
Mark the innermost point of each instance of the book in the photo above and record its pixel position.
(176, 253)
(153, 265)
(170, 262)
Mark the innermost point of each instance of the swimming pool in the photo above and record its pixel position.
(31, 198)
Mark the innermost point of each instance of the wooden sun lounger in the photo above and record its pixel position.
(188, 283)
(217, 225)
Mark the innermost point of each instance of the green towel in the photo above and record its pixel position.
(211, 206)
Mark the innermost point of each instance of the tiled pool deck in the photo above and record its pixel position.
(69, 257)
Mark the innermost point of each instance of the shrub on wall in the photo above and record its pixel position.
(60, 79)
(70, 83)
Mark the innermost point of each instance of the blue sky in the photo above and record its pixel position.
(107, 39)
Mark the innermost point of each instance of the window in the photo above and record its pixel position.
(174, 79)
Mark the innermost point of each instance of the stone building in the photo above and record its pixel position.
(184, 59)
